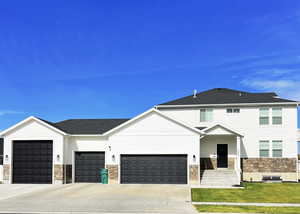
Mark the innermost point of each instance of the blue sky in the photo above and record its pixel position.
(115, 59)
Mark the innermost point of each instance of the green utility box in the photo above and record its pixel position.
(104, 176)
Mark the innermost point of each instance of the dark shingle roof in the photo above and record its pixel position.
(228, 96)
(86, 126)
(201, 127)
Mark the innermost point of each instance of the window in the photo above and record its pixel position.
(229, 110)
(263, 148)
(206, 115)
(1, 151)
(264, 116)
(236, 110)
(233, 110)
(276, 116)
(276, 148)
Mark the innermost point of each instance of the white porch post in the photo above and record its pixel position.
(238, 157)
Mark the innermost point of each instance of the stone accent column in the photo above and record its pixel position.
(58, 174)
(6, 173)
(194, 174)
(231, 163)
(113, 175)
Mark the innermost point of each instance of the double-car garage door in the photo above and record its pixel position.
(154, 169)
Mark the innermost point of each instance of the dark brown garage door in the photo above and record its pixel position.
(154, 169)
(88, 165)
(32, 161)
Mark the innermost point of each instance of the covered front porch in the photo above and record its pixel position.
(220, 162)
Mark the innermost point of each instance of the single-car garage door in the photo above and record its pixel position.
(32, 161)
(154, 169)
(88, 165)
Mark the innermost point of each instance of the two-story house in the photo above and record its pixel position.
(216, 137)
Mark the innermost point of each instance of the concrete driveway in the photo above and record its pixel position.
(101, 198)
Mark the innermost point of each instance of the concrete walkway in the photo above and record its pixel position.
(248, 204)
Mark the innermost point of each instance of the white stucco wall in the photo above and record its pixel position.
(84, 144)
(1, 173)
(247, 123)
(154, 134)
(33, 130)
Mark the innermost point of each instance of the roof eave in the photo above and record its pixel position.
(227, 104)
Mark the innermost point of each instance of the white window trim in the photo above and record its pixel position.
(270, 148)
(212, 116)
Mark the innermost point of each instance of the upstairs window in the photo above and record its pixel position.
(233, 110)
(264, 148)
(206, 115)
(277, 148)
(276, 116)
(264, 116)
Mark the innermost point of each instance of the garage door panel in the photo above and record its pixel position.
(88, 165)
(156, 169)
(32, 161)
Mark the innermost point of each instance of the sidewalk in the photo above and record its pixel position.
(247, 204)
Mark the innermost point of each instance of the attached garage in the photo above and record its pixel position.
(88, 165)
(154, 169)
(32, 161)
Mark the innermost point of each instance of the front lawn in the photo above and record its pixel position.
(247, 209)
(253, 192)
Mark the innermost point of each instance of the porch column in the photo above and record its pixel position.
(238, 157)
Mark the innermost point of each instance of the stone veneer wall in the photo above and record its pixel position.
(58, 173)
(113, 171)
(211, 163)
(194, 174)
(255, 168)
(6, 173)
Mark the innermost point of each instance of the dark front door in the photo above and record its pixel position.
(32, 162)
(154, 169)
(88, 165)
(222, 155)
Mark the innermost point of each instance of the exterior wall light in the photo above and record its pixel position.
(113, 158)
(57, 157)
(194, 158)
(6, 157)
(109, 147)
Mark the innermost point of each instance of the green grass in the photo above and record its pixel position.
(253, 192)
(247, 209)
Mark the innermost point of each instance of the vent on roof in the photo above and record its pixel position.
(195, 93)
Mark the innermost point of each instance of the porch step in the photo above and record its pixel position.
(219, 178)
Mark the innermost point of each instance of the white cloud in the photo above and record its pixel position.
(277, 72)
(288, 89)
(5, 112)
(270, 84)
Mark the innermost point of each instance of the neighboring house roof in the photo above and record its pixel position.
(88, 126)
(227, 96)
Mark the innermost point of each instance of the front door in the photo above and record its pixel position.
(222, 155)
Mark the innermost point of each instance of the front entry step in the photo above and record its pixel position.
(220, 178)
